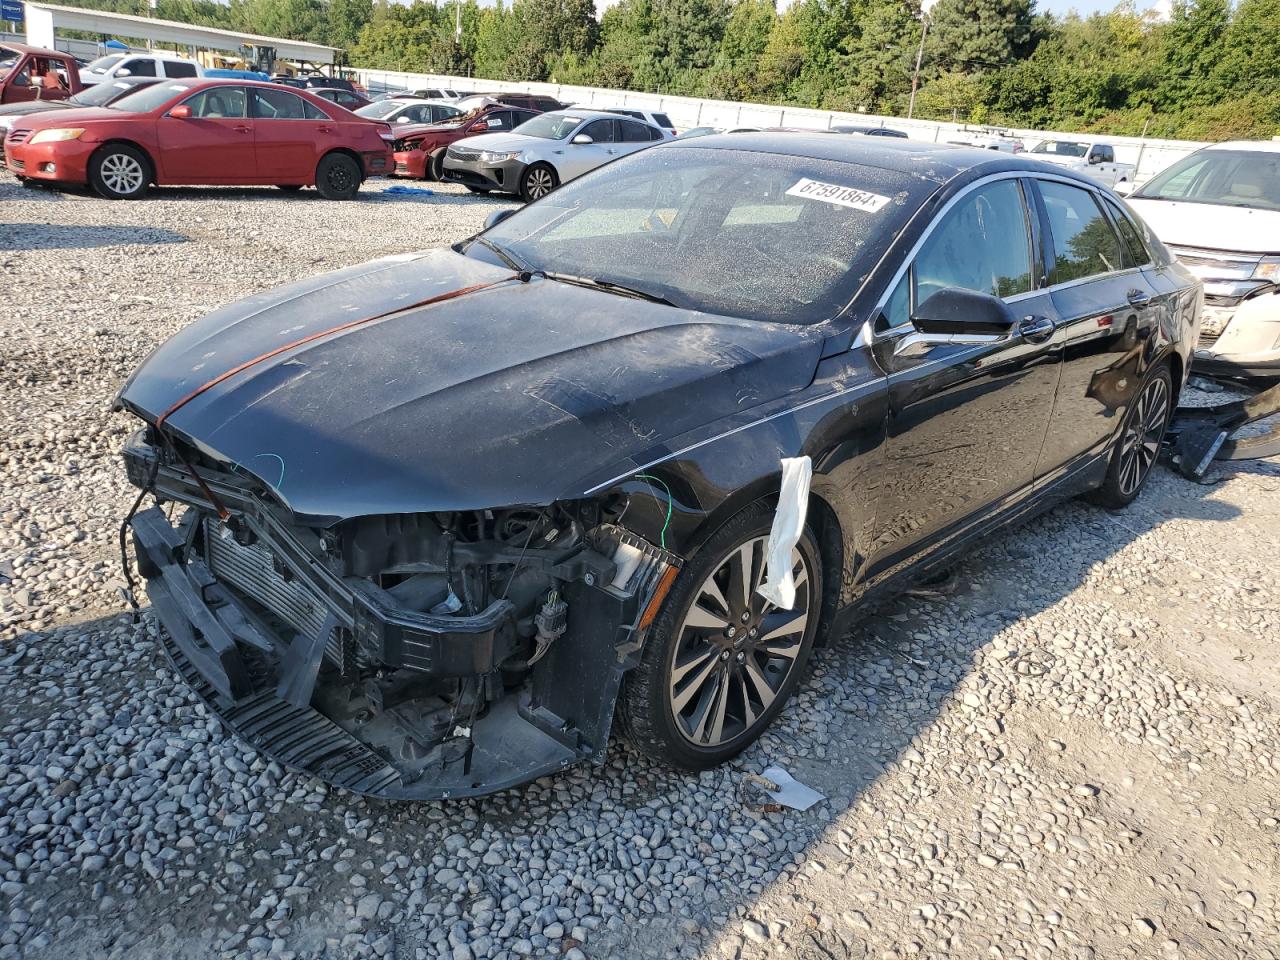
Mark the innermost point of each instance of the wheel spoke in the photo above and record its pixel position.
(696, 685)
(748, 712)
(712, 589)
(710, 713)
(700, 618)
(741, 575)
(764, 692)
(695, 662)
(784, 623)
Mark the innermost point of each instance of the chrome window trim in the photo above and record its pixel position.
(869, 335)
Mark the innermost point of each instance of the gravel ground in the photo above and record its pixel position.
(1074, 754)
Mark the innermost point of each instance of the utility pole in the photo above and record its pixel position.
(915, 76)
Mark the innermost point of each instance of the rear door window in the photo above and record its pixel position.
(633, 132)
(179, 68)
(278, 105)
(1137, 253)
(662, 120)
(1084, 244)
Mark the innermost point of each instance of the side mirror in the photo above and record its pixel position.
(955, 311)
(402, 119)
(479, 126)
(124, 73)
(181, 112)
(1124, 188)
(582, 138)
(495, 218)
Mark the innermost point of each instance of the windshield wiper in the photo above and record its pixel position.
(609, 286)
(503, 254)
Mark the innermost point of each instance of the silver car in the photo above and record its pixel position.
(539, 155)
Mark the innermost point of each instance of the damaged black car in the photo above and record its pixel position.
(424, 527)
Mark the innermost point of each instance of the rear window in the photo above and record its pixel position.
(179, 68)
(662, 120)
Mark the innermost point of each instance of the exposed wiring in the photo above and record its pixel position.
(662, 537)
(280, 459)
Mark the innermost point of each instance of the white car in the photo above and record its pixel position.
(989, 140)
(542, 153)
(1218, 209)
(151, 64)
(660, 120)
(1093, 158)
(408, 111)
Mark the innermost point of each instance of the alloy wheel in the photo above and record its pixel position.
(735, 650)
(540, 183)
(1142, 435)
(121, 173)
(340, 178)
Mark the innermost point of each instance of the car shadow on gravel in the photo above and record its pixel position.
(55, 236)
(682, 853)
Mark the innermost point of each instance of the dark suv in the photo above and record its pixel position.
(419, 150)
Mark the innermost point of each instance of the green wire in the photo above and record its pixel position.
(662, 537)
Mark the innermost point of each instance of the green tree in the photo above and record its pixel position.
(972, 36)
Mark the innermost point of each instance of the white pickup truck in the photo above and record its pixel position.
(1092, 157)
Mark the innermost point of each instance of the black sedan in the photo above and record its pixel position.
(635, 448)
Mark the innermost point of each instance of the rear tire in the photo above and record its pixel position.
(1138, 446)
(537, 181)
(721, 662)
(337, 177)
(119, 172)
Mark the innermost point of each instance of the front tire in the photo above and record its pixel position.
(537, 181)
(435, 166)
(1138, 446)
(337, 177)
(721, 661)
(119, 172)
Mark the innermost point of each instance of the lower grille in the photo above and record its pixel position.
(249, 570)
(1207, 338)
(17, 164)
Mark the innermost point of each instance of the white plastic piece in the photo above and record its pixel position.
(791, 792)
(779, 588)
(627, 558)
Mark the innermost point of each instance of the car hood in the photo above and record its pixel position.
(33, 106)
(1209, 226)
(78, 115)
(510, 395)
(404, 131)
(501, 141)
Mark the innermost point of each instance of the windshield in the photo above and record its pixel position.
(150, 97)
(752, 235)
(381, 109)
(1233, 178)
(101, 93)
(105, 63)
(1061, 148)
(549, 126)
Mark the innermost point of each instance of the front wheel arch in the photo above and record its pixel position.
(149, 163)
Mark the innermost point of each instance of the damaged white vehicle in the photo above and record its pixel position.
(1219, 211)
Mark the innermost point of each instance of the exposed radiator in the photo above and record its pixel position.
(249, 571)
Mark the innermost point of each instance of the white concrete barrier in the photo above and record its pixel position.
(1150, 156)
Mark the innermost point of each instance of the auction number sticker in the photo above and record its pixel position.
(850, 197)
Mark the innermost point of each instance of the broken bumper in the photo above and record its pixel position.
(1240, 339)
(301, 702)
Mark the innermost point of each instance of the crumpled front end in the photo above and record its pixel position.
(409, 656)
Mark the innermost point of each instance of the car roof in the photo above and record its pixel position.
(585, 114)
(40, 51)
(1257, 146)
(939, 162)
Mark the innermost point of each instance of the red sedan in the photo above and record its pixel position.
(203, 132)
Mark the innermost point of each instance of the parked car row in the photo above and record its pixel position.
(201, 131)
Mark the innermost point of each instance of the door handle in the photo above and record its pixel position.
(1138, 299)
(1035, 329)
(243, 129)
(326, 129)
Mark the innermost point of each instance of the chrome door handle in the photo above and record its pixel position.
(1138, 299)
(243, 129)
(1036, 329)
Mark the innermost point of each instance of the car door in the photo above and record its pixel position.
(1102, 163)
(634, 136)
(18, 86)
(287, 133)
(967, 419)
(1105, 307)
(578, 158)
(213, 145)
